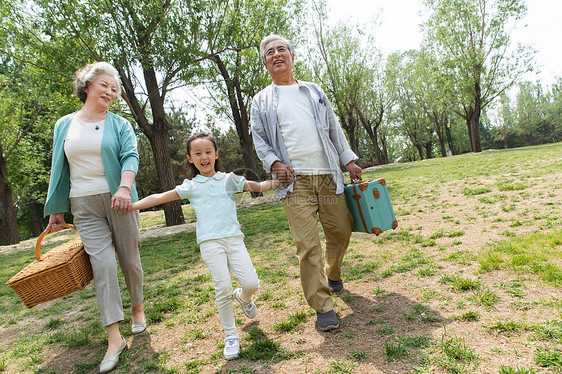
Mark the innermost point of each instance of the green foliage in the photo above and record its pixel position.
(471, 41)
(551, 358)
(295, 319)
(395, 350)
(471, 316)
(507, 326)
(516, 370)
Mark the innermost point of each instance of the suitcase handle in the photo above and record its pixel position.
(357, 181)
(40, 239)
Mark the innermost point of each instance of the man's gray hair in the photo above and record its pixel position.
(268, 39)
(89, 72)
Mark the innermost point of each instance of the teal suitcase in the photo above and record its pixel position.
(370, 206)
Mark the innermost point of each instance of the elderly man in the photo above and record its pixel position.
(297, 136)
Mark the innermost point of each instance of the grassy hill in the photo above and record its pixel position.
(469, 282)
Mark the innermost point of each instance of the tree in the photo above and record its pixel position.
(405, 79)
(348, 67)
(28, 105)
(155, 46)
(430, 94)
(554, 110)
(182, 126)
(235, 73)
(472, 38)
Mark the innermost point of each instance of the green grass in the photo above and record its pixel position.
(471, 316)
(263, 348)
(292, 324)
(516, 370)
(460, 284)
(551, 358)
(508, 327)
(527, 254)
(405, 287)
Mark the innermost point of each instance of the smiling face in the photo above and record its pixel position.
(102, 91)
(203, 155)
(279, 62)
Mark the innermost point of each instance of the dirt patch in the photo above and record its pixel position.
(376, 309)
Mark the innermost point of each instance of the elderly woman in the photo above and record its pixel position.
(95, 161)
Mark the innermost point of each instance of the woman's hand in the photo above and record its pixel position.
(121, 201)
(54, 222)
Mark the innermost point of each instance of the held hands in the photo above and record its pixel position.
(121, 201)
(284, 172)
(354, 170)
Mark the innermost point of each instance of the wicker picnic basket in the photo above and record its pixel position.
(59, 272)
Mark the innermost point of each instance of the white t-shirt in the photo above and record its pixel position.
(82, 147)
(298, 126)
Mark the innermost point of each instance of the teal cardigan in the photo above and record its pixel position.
(118, 153)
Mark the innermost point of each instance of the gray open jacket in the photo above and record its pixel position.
(269, 143)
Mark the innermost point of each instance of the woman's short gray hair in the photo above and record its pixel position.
(89, 72)
(268, 39)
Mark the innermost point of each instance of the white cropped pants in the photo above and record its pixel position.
(222, 257)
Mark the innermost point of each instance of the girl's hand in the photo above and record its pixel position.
(54, 221)
(121, 201)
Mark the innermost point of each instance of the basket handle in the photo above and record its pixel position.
(40, 239)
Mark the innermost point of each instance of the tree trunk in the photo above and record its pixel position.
(241, 121)
(35, 217)
(172, 210)
(349, 128)
(428, 150)
(448, 133)
(475, 128)
(441, 123)
(157, 134)
(372, 132)
(8, 213)
(473, 119)
(467, 118)
(419, 147)
(384, 150)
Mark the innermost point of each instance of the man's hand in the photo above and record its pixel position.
(354, 170)
(121, 201)
(284, 172)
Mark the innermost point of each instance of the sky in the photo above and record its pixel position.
(400, 19)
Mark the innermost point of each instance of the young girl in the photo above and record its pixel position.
(211, 194)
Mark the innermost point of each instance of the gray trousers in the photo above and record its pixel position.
(105, 233)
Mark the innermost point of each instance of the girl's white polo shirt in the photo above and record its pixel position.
(212, 200)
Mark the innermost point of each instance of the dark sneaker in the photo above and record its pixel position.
(335, 286)
(327, 321)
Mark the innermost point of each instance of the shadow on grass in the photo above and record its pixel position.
(375, 325)
(139, 357)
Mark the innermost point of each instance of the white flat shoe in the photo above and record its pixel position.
(138, 327)
(109, 363)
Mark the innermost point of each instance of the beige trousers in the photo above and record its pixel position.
(105, 232)
(315, 196)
